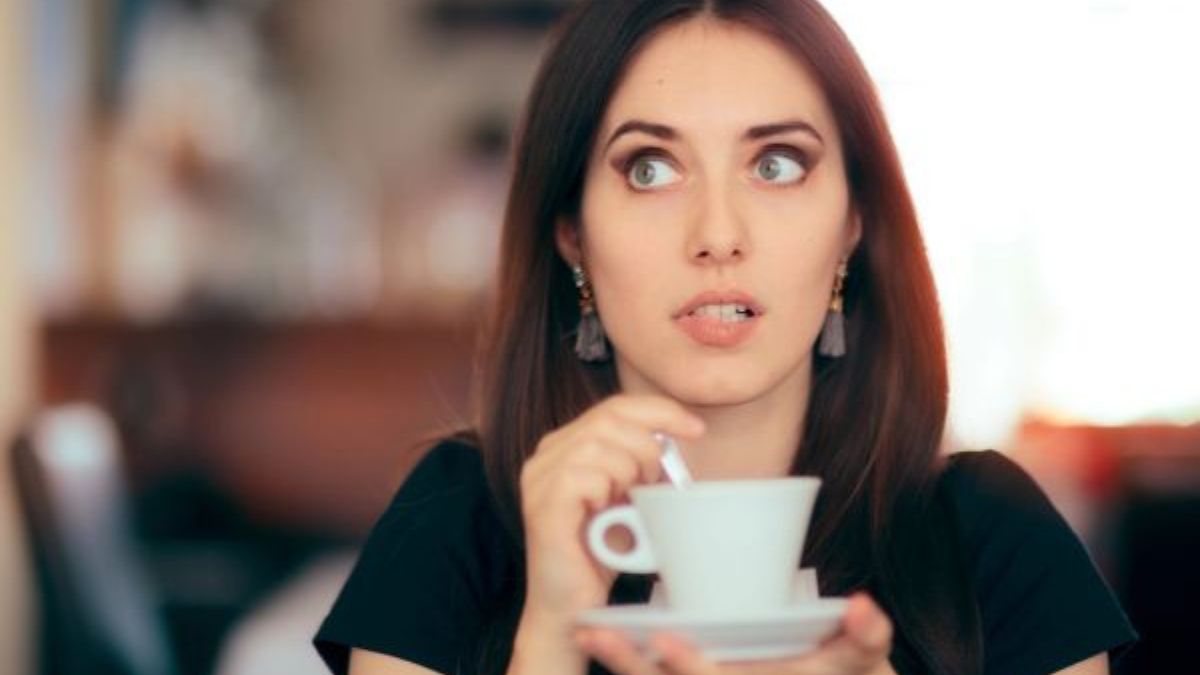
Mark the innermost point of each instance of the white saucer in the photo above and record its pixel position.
(774, 634)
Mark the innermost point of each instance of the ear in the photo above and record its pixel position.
(566, 240)
(853, 233)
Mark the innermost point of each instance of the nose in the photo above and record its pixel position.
(718, 235)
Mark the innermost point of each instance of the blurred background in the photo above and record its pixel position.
(244, 246)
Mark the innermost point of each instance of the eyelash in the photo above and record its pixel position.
(799, 156)
(626, 163)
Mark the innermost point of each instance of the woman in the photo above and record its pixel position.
(709, 235)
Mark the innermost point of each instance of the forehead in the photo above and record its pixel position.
(714, 76)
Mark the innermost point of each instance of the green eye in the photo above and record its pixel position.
(778, 167)
(651, 172)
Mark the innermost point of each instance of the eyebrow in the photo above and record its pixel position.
(753, 133)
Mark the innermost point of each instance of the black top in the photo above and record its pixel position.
(438, 558)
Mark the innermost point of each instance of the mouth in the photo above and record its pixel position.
(720, 319)
(731, 312)
(728, 306)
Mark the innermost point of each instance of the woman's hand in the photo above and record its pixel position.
(860, 648)
(577, 470)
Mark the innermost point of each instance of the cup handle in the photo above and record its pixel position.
(638, 560)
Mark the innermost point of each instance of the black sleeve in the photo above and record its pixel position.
(1044, 605)
(422, 578)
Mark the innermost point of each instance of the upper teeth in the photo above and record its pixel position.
(727, 312)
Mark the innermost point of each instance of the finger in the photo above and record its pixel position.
(601, 441)
(680, 658)
(867, 625)
(594, 487)
(636, 442)
(657, 413)
(610, 458)
(864, 642)
(614, 651)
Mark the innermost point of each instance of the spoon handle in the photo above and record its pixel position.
(672, 461)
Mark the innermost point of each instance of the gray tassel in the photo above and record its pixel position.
(833, 335)
(589, 339)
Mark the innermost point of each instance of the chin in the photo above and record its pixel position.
(716, 389)
(704, 382)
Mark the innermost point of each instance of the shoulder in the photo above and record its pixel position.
(1008, 526)
(989, 490)
(434, 562)
(450, 470)
(986, 475)
(1042, 601)
(1000, 509)
(445, 507)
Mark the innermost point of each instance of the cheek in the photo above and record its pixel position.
(798, 263)
(801, 276)
(631, 251)
(809, 230)
(626, 270)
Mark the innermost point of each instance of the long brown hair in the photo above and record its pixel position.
(875, 420)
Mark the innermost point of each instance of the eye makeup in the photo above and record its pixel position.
(625, 162)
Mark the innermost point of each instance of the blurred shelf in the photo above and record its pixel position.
(305, 425)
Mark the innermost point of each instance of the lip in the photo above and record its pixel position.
(730, 297)
(712, 332)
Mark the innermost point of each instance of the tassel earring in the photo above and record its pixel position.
(833, 333)
(590, 345)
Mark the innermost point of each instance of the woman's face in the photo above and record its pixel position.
(734, 184)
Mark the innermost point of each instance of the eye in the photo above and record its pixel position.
(647, 172)
(781, 167)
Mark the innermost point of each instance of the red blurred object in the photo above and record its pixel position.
(308, 426)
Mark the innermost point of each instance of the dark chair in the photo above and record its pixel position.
(99, 613)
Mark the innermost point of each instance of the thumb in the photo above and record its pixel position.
(866, 636)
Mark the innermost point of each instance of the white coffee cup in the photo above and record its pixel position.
(720, 547)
